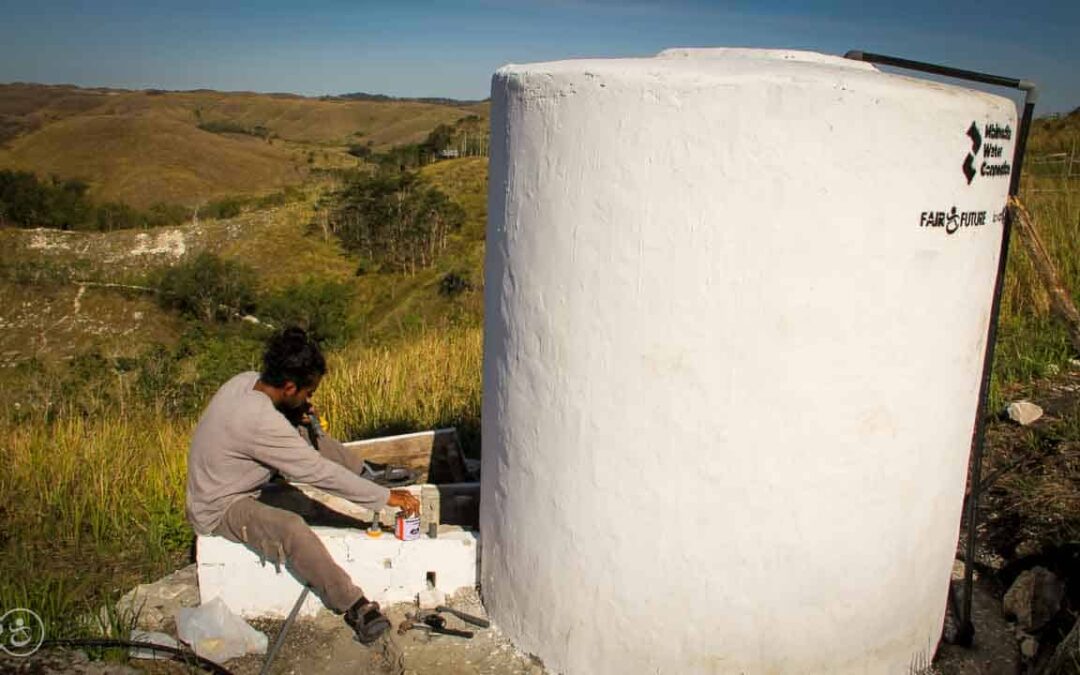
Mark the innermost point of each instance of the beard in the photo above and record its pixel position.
(294, 412)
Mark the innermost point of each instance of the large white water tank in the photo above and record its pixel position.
(736, 306)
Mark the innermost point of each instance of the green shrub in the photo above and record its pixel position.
(454, 284)
(219, 352)
(40, 272)
(208, 288)
(167, 214)
(27, 201)
(159, 382)
(225, 208)
(320, 307)
(361, 150)
(228, 127)
(290, 194)
(117, 216)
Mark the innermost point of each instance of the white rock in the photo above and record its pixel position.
(1034, 598)
(157, 602)
(430, 598)
(1029, 647)
(1023, 412)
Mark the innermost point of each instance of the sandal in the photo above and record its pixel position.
(366, 621)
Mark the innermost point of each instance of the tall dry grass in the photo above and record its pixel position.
(430, 381)
(90, 481)
(1031, 341)
(89, 506)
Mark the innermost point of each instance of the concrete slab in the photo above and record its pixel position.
(388, 570)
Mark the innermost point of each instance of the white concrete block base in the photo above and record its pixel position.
(388, 570)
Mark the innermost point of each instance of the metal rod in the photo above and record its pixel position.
(959, 73)
(280, 639)
(978, 434)
(966, 628)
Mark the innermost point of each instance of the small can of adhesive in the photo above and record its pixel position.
(407, 527)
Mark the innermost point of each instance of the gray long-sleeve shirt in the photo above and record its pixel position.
(239, 442)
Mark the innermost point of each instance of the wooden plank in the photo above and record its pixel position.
(436, 455)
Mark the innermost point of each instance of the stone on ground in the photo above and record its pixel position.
(1023, 412)
(1034, 598)
(157, 603)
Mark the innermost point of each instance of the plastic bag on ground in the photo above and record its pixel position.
(214, 632)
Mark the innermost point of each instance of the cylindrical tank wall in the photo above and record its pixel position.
(735, 311)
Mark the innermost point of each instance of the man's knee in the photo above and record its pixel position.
(277, 536)
(294, 532)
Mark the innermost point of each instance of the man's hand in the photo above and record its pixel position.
(404, 500)
(306, 413)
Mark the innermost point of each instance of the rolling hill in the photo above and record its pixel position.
(145, 147)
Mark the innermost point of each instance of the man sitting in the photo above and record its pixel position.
(243, 438)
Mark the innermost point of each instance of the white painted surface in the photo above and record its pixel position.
(729, 53)
(708, 292)
(386, 569)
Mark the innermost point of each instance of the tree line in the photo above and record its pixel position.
(28, 201)
(468, 137)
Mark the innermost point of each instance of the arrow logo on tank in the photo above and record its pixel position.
(976, 139)
(969, 168)
(976, 144)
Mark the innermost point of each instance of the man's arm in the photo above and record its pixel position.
(281, 447)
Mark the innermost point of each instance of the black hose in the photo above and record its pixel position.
(184, 655)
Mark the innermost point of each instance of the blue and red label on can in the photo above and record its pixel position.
(407, 528)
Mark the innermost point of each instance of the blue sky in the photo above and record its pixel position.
(451, 48)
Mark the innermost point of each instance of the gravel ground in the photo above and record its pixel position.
(325, 646)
